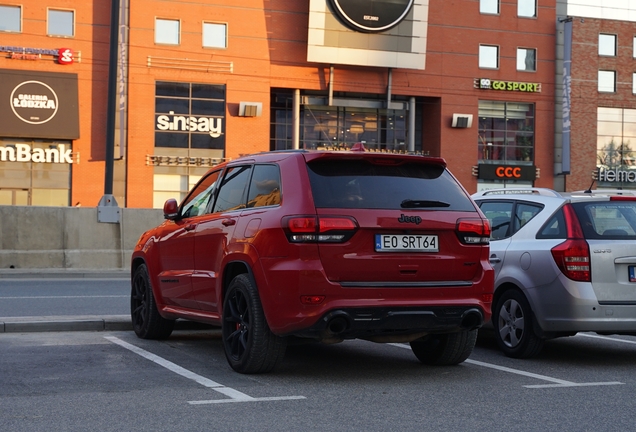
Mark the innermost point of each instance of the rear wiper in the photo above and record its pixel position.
(423, 203)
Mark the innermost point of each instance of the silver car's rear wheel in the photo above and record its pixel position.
(513, 322)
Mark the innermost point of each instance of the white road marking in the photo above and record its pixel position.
(557, 382)
(234, 395)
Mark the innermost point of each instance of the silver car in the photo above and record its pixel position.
(564, 263)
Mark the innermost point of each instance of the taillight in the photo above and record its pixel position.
(319, 229)
(623, 198)
(573, 259)
(573, 255)
(473, 231)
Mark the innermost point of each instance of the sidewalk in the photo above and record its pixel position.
(66, 323)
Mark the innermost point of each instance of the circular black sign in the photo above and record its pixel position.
(371, 15)
(34, 102)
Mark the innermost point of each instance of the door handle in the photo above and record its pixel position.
(228, 222)
(494, 259)
(189, 227)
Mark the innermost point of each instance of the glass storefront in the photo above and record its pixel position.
(331, 127)
(616, 147)
(35, 172)
(189, 136)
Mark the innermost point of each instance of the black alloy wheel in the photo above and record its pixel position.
(147, 323)
(250, 347)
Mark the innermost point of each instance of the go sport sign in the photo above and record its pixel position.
(38, 105)
(490, 84)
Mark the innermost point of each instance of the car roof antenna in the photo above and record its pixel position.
(589, 190)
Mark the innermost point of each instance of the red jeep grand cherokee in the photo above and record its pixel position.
(319, 245)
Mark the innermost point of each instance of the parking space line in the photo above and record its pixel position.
(234, 395)
(557, 382)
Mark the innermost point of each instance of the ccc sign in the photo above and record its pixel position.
(507, 172)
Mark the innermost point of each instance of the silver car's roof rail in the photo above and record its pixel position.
(520, 190)
(604, 192)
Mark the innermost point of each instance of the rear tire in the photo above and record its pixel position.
(513, 321)
(445, 349)
(250, 346)
(147, 322)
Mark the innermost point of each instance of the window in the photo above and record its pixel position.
(61, 23)
(11, 18)
(214, 35)
(616, 142)
(606, 81)
(607, 45)
(189, 115)
(264, 187)
(488, 56)
(489, 6)
(506, 132)
(232, 189)
(527, 8)
(634, 48)
(166, 31)
(526, 59)
(499, 214)
(199, 199)
(634, 83)
(168, 186)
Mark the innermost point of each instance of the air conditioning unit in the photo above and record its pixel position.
(250, 109)
(462, 120)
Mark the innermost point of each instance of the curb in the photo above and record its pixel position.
(81, 323)
(49, 273)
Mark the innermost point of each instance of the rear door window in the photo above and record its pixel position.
(499, 213)
(231, 195)
(348, 183)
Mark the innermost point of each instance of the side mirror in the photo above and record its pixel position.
(171, 209)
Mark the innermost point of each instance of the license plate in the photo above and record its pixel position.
(406, 243)
(632, 273)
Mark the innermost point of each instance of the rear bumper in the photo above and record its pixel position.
(392, 324)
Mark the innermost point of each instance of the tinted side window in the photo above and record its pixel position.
(231, 194)
(607, 219)
(499, 213)
(523, 213)
(197, 201)
(554, 228)
(347, 183)
(264, 187)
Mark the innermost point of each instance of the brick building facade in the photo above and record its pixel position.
(203, 81)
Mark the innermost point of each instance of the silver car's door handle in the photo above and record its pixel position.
(494, 259)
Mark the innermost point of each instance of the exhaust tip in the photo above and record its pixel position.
(472, 319)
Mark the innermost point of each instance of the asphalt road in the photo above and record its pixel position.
(112, 381)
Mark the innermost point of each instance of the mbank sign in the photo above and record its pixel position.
(24, 153)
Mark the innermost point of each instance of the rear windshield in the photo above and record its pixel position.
(361, 184)
(608, 219)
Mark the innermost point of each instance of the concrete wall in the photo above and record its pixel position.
(70, 237)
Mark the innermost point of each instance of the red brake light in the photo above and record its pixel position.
(623, 198)
(473, 231)
(324, 229)
(573, 259)
(573, 255)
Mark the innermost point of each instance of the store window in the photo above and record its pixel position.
(168, 186)
(167, 31)
(214, 35)
(61, 23)
(10, 18)
(506, 132)
(616, 138)
(607, 45)
(488, 56)
(606, 81)
(526, 59)
(489, 6)
(634, 83)
(332, 127)
(189, 115)
(35, 172)
(527, 8)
